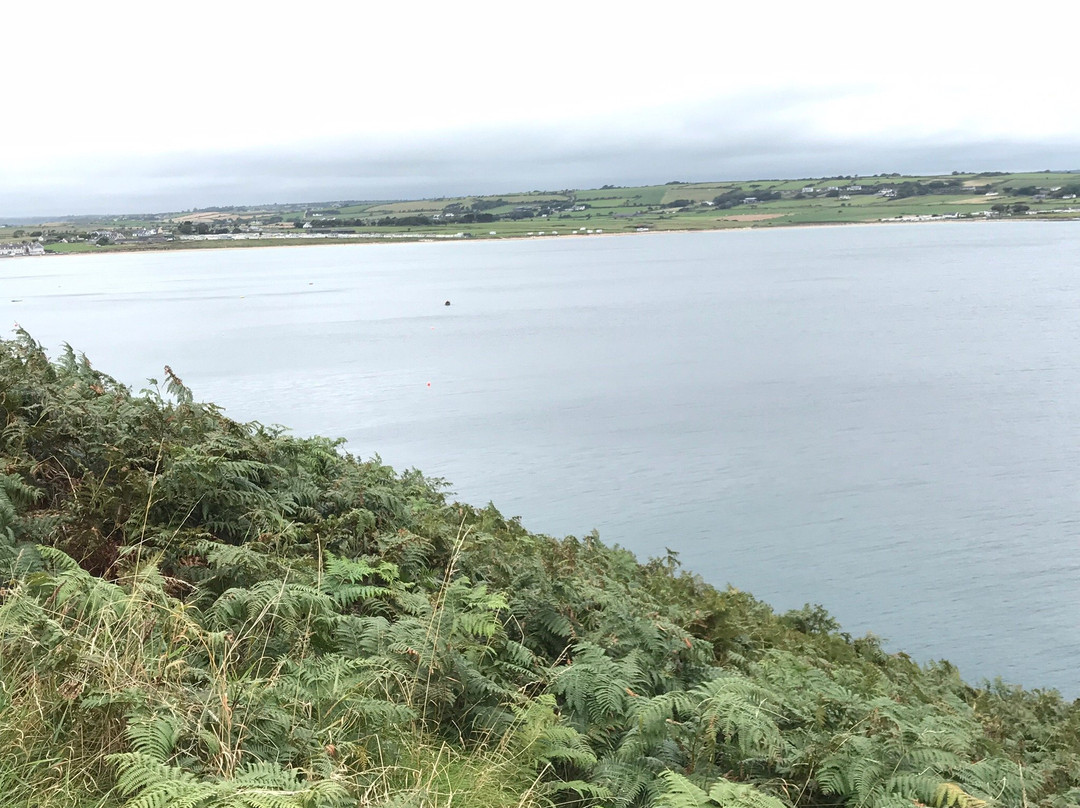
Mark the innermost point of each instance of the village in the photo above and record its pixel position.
(674, 205)
(12, 250)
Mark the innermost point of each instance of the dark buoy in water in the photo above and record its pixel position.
(447, 303)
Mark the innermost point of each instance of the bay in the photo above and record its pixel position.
(884, 420)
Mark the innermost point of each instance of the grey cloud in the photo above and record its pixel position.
(743, 138)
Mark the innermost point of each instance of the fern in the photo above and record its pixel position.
(154, 737)
(237, 617)
(151, 784)
(950, 795)
(679, 792)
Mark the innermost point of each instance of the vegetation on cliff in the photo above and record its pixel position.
(198, 612)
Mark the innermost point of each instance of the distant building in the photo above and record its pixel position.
(112, 235)
(11, 250)
(750, 200)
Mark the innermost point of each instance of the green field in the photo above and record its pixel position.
(673, 206)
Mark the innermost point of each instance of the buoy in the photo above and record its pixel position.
(429, 384)
(447, 303)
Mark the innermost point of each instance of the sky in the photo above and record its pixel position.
(115, 107)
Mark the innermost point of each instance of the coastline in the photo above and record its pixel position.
(261, 244)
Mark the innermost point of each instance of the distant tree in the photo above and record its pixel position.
(487, 204)
(403, 221)
(185, 228)
(730, 198)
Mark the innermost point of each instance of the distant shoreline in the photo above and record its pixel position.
(673, 207)
(262, 244)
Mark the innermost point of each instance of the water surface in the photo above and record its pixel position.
(884, 420)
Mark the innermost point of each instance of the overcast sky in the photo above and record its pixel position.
(123, 107)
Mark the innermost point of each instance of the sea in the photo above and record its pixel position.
(884, 420)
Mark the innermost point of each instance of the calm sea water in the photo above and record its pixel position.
(884, 420)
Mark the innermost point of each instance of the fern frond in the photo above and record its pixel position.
(950, 795)
(155, 736)
(679, 792)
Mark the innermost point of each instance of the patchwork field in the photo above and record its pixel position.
(611, 209)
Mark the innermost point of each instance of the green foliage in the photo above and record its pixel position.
(679, 792)
(153, 784)
(199, 612)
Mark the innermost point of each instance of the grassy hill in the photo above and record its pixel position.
(541, 214)
(199, 612)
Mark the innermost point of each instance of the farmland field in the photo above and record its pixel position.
(716, 205)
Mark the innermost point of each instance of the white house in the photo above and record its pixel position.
(11, 250)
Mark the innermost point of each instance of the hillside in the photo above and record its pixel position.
(199, 612)
(611, 209)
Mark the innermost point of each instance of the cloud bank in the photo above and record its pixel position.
(163, 108)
